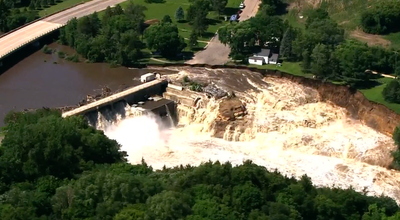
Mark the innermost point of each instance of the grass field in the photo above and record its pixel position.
(60, 6)
(346, 13)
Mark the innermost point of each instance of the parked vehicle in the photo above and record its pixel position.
(148, 77)
(241, 6)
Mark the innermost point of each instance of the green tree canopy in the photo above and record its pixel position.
(164, 38)
(42, 143)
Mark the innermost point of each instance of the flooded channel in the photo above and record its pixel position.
(43, 80)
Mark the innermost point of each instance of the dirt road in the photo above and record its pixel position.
(27, 34)
(217, 53)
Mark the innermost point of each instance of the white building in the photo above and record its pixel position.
(264, 57)
(256, 60)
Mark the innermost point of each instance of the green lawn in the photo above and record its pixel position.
(60, 6)
(293, 68)
(375, 94)
(347, 13)
(159, 10)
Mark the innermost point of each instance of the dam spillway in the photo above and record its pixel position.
(275, 122)
(131, 95)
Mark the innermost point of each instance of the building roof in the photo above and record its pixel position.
(264, 53)
(274, 57)
(256, 58)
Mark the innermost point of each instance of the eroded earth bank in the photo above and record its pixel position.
(273, 121)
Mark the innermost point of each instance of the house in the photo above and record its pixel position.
(265, 54)
(274, 58)
(256, 60)
(264, 57)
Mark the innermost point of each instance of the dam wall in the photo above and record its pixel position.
(130, 96)
(374, 115)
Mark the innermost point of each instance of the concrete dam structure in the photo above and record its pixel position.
(146, 97)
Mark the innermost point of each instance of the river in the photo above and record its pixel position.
(37, 81)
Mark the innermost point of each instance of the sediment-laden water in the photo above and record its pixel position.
(287, 128)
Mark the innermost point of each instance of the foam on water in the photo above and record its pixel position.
(287, 129)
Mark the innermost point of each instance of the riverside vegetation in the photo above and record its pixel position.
(56, 168)
(14, 14)
(121, 36)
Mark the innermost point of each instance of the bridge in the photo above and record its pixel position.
(131, 95)
(13, 40)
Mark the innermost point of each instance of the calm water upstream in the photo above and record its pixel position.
(37, 82)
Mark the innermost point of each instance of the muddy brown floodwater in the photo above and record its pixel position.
(37, 81)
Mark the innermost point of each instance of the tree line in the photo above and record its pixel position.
(382, 17)
(61, 168)
(12, 16)
(121, 34)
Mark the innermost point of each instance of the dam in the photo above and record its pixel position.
(236, 115)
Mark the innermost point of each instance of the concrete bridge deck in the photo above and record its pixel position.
(113, 98)
(15, 40)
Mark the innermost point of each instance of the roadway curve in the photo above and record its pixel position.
(217, 53)
(27, 34)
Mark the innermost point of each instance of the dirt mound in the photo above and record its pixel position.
(370, 39)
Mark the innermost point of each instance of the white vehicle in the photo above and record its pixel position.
(148, 77)
(241, 6)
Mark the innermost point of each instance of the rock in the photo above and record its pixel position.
(231, 109)
(214, 91)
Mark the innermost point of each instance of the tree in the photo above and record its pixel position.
(42, 143)
(197, 15)
(286, 48)
(32, 5)
(391, 92)
(166, 19)
(164, 38)
(179, 14)
(318, 14)
(320, 61)
(168, 205)
(353, 59)
(193, 40)
(4, 13)
(219, 5)
(117, 10)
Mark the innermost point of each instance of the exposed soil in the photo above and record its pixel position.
(370, 39)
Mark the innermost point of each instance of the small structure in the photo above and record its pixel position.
(256, 60)
(264, 57)
(148, 77)
(234, 18)
(274, 58)
(265, 54)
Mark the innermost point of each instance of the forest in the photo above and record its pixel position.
(56, 168)
(382, 18)
(14, 14)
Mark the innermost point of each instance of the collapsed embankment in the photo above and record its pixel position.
(375, 115)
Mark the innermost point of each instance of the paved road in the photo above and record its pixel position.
(217, 53)
(29, 33)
